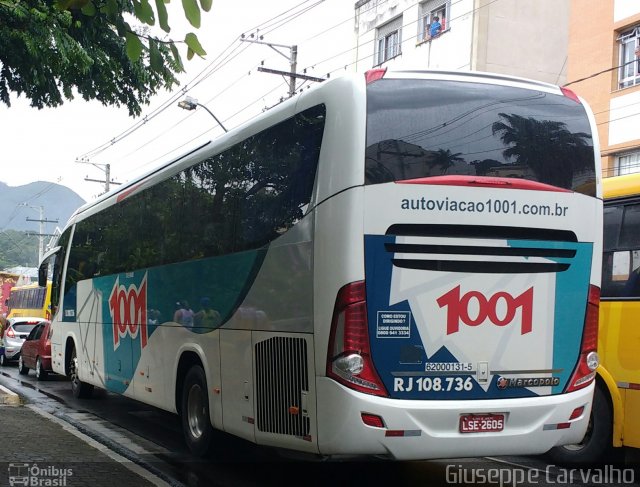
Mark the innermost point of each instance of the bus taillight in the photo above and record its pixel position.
(570, 94)
(349, 357)
(585, 371)
(374, 75)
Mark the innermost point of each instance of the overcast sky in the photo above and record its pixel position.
(43, 145)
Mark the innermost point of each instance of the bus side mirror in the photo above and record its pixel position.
(43, 270)
(42, 273)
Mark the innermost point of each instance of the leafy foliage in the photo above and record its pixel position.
(446, 159)
(51, 49)
(548, 147)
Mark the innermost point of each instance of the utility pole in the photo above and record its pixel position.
(292, 58)
(42, 220)
(106, 168)
(294, 65)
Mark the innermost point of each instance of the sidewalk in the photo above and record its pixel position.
(40, 449)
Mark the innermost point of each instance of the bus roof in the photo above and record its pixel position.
(237, 133)
(31, 285)
(621, 186)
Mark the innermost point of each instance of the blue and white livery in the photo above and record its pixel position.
(398, 264)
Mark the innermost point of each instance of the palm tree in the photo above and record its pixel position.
(547, 147)
(445, 159)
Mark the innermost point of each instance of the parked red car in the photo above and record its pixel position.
(36, 351)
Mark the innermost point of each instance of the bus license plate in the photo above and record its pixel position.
(481, 423)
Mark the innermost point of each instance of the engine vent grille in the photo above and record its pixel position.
(282, 382)
(532, 250)
(481, 231)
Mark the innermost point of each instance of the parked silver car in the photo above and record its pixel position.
(17, 331)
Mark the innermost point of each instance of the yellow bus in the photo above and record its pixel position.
(615, 421)
(30, 300)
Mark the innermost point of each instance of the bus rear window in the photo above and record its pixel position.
(423, 128)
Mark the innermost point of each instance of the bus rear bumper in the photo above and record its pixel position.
(430, 429)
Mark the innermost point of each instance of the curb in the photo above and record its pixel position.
(120, 455)
(8, 397)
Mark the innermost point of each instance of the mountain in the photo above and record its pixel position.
(58, 203)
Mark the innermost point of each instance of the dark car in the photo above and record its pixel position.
(36, 351)
(15, 334)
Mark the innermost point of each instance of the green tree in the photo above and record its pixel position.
(444, 159)
(53, 49)
(547, 147)
(18, 249)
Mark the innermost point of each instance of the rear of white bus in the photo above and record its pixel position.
(473, 329)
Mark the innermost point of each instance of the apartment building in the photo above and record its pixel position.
(604, 68)
(527, 38)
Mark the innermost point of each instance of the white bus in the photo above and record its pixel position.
(398, 264)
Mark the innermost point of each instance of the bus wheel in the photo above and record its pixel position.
(196, 424)
(80, 390)
(596, 446)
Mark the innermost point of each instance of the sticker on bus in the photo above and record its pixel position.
(394, 324)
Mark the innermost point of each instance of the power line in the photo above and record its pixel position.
(186, 143)
(270, 25)
(274, 25)
(184, 119)
(17, 245)
(16, 210)
(616, 119)
(172, 99)
(327, 59)
(265, 25)
(602, 72)
(405, 39)
(154, 113)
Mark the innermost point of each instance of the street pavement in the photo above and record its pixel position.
(48, 435)
(40, 449)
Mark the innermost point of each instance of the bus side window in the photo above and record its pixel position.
(629, 234)
(621, 263)
(621, 259)
(611, 286)
(621, 275)
(632, 286)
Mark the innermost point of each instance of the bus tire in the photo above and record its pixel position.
(80, 390)
(196, 424)
(597, 444)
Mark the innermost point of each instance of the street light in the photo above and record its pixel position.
(191, 104)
